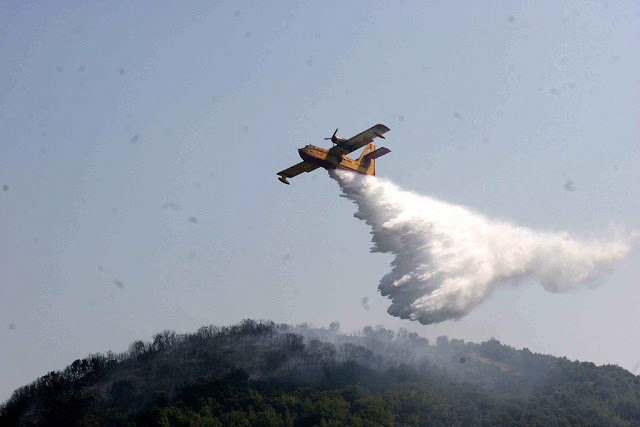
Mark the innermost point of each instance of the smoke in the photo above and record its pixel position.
(448, 259)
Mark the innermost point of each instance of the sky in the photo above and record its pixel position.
(140, 144)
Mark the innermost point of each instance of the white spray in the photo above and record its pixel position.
(448, 259)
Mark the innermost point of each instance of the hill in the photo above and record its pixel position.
(262, 373)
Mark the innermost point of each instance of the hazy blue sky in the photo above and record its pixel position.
(140, 142)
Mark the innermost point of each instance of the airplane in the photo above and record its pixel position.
(314, 157)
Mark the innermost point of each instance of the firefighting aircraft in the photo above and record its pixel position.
(314, 157)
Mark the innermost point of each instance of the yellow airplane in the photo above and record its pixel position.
(314, 157)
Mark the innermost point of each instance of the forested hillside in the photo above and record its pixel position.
(261, 373)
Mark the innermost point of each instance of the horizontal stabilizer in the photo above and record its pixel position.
(377, 153)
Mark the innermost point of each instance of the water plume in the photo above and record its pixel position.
(448, 259)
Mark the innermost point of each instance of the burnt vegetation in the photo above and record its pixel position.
(262, 373)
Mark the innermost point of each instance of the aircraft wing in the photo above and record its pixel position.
(296, 169)
(360, 140)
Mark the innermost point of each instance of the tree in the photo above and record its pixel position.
(334, 327)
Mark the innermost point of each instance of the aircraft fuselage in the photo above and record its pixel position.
(330, 160)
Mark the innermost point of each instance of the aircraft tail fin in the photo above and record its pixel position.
(369, 148)
(369, 164)
(369, 156)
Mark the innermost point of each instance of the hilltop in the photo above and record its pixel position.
(262, 373)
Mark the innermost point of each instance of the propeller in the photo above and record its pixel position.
(333, 137)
